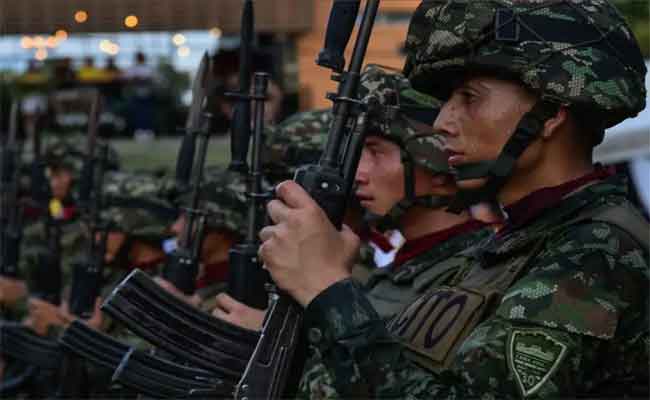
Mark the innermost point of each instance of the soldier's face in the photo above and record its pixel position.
(380, 176)
(60, 182)
(477, 120)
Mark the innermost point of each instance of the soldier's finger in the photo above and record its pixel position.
(267, 233)
(294, 195)
(225, 302)
(277, 210)
(218, 313)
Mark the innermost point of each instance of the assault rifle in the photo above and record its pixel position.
(140, 371)
(46, 280)
(88, 275)
(241, 129)
(329, 182)
(183, 264)
(11, 212)
(247, 278)
(178, 328)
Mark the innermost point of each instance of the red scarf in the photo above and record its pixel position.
(415, 247)
(523, 211)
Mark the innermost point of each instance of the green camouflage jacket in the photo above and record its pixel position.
(573, 321)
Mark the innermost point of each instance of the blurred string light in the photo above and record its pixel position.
(52, 42)
(183, 51)
(131, 21)
(39, 42)
(26, 42)
(81, 16)
(61, 34)
(179, 39)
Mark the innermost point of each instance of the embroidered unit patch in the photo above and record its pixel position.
(533, 357)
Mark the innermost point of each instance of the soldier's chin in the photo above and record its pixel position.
(471, 184)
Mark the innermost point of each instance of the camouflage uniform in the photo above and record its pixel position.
(554, 305)
(391, 288)
(223, 197)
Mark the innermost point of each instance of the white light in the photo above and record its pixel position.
(179, 39)
(216, 32)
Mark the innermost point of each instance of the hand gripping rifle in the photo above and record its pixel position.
(329, 183)
(10, 209)
(183, 264)
(247, 278)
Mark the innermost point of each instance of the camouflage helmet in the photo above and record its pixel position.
(69, 152)
(223, 196)
(577, 53)
(404, 116)
(297, 141)
(401, 114)
(133, 205)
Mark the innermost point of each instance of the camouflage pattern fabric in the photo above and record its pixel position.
(298, 140)
(391, 288)
(69, 152)
(136, 205)
(390, 97)
(596, 68)
(574, 323)
(73, 246)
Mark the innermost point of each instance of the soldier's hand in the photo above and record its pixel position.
(193, 300)
(43, 315)
(236, 313)
(303, 251)
(11, 290)
(97, 320)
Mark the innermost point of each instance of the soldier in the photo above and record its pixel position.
(223, 196)
(403, 178)
(553, 305)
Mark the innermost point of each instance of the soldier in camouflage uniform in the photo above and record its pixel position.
(555, 305)
(223, 196)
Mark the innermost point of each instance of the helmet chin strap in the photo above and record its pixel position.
(498, 171)
(393, 217)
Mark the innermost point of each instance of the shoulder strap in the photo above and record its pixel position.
(624, 217)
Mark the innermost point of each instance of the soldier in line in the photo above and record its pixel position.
(223, 196)
(404, 179)
(555, 303)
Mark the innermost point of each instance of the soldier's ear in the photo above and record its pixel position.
(556, 123)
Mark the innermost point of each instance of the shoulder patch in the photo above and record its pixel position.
(533, 356)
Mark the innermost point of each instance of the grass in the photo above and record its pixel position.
(161, 153)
